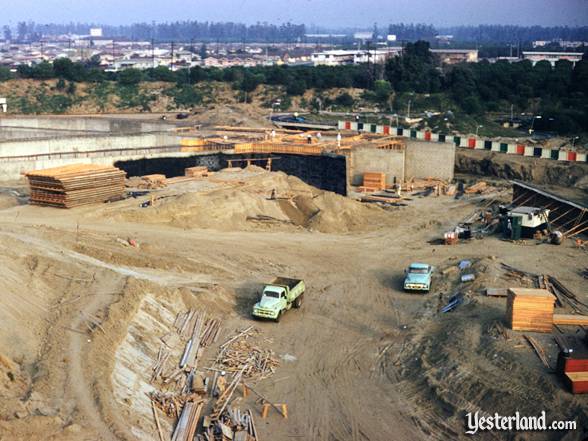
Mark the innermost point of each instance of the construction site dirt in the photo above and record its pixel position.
(89, 294)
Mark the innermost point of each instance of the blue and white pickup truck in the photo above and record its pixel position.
(418, 277)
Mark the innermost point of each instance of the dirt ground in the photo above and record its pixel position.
(82, 313)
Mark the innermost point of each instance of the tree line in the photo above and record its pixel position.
(559, 93)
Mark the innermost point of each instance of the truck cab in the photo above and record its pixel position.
(278, 297)
(418, 277)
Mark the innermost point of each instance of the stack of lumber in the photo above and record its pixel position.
(154, 181)
(188, 422)
(196, 172)
(77, 184)
(476, 188)
(374, 181)
(530, 309)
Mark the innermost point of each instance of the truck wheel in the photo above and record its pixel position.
(298, 301)
(279, 316)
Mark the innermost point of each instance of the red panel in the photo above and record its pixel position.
(571, 156)
(520, 149)
(576, 365)
(472, 143)
(386, 130)
(347, 125)
(580, 387)
(427, 136)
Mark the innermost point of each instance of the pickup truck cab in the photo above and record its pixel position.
(279, 296)
(418, 277)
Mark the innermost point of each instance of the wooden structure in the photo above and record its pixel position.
(529, 309)
(374, 181)
(570, 217)
(77, 184)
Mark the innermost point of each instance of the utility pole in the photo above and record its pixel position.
(172, 56)
(408, 110)
(152, 53)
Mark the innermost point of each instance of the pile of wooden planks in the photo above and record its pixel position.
(374, 181)
(188, 422)
(529, 309)
(77, 184)
(196, 172)
(479, 187)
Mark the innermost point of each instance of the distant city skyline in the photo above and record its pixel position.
(326, 13)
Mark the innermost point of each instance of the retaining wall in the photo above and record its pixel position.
(425, 159)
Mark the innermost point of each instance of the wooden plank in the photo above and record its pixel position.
(570, 319)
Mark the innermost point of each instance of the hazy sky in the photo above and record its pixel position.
(328, 13)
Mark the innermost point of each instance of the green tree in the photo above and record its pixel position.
(129, 77)
(382, 91)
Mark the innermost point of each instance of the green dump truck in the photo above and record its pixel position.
(279, 296)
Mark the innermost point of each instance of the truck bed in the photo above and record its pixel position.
(284, 281)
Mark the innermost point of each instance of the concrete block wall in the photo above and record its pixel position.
(425, 159)
(369, 159)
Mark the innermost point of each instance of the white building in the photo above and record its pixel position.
(552, 57)
(333, 58)
(342, 57)
(96, 32)
(3, 105)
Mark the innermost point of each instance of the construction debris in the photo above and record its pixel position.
(239, 354)
(538, 350)
(77, 184)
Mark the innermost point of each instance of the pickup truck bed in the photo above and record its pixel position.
(284, 281)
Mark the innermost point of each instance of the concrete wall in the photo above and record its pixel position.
(11, 133)
(429, 159)
(19, 156)
(46, 146)
(86, 124)
(370, 159)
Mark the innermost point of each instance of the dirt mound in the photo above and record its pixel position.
(539, 171)
(253, 199)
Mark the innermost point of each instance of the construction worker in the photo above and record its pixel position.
(273, 134)
(309, 139)
(318, 135)
(338, 139)
(221, 384)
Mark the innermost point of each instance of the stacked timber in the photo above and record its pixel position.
(77, 184)
(196, 172)
(530, 309)
(374, 181)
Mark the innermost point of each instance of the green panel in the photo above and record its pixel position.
(413, 133)
(503, 147)
(373, 128)
(555, 154)
(457, 140)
